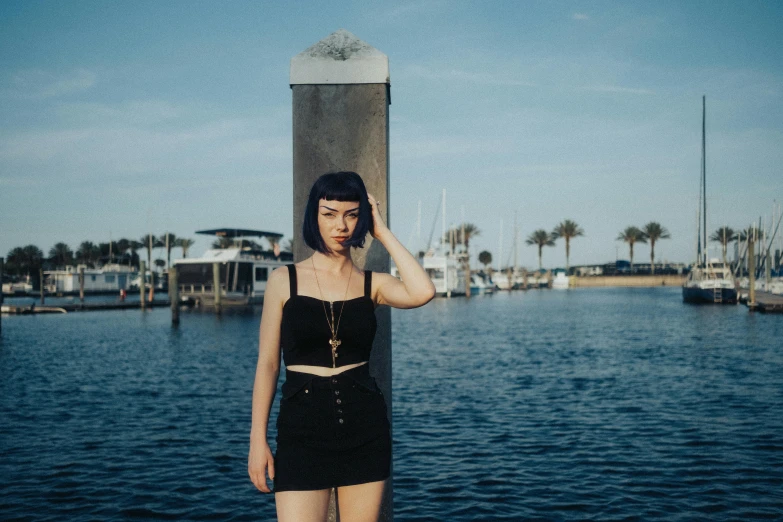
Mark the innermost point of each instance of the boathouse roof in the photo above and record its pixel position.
(238, 232)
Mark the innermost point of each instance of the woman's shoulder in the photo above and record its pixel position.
(278, 283)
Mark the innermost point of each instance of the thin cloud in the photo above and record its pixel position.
(408, 9)
(138, 112)
(458, 75)
(40, 84)
(618, 89)
(579, 16)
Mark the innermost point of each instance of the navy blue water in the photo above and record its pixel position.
(606, 404)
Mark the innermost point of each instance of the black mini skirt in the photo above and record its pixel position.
(331, 431)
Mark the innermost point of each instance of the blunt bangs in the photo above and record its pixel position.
(337, 186)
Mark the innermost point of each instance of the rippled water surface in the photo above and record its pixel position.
(605, 404)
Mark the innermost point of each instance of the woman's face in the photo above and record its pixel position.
(336, 222)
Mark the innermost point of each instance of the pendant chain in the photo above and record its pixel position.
(334, 342)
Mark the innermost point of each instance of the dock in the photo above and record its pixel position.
(768, 303)
(76, 307)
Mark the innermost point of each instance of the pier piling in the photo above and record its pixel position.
(81, 284)
(341, 97)
(216, 286)
(142, 284)
(751, 270)
(41, 278)
(174, 295)
(2, 266)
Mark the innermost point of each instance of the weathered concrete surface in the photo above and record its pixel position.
(340, 58)
(628, 281)
(341, 127)
(341, 123)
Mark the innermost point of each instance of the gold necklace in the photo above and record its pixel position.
(334, 342)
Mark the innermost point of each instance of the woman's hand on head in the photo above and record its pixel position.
(258, 461)
(377, 220)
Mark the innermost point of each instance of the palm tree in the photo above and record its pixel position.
(25, 260)
(134, 247)
(88, 253)
(61, 255)
(567, 229)
(148, 242)
(172, 238)
(750, 233)
(485, 258)
(223, 242)
(185, 245)
(541, 238)
(123, 245)
(653, 232)
(105, 248)
(724, 235)
(632, 235)
(462, 235)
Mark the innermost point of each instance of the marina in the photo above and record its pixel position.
(513, 406)
(571, 382)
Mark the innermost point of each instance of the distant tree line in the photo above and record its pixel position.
(568, 229)
(28, 260)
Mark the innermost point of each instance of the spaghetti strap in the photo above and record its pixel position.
(292, 279)
(368, 283)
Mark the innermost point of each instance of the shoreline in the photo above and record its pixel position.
(631, 281)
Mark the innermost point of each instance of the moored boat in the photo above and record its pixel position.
(710, 283)
(709, 280)
(243, 271)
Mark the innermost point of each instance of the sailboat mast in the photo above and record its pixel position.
(516, 244)
(500, 246)
(704, 169)
(443, 220)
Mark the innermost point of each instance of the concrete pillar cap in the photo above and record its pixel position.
(340, 58)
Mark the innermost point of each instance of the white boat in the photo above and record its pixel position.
(479, 287)
(446, 274)
(560, 282)
(243, 272)
(108, 278)
(19, 287)
(709, 281)
(775, 285)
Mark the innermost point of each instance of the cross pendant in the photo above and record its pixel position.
(335, 343)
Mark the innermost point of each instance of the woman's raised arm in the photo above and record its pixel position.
(416, 288)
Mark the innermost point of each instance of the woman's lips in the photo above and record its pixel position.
(340, 239)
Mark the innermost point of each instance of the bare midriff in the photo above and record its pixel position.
(322, 371)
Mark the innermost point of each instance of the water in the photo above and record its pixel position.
(605, 404)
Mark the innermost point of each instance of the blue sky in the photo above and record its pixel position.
(121, 118)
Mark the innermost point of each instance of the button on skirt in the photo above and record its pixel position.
(331, 432)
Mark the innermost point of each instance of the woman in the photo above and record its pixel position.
(332, 427)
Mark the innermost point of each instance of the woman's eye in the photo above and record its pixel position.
(329, 214)
(353, 215)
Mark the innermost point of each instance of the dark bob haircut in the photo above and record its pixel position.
(337, 186)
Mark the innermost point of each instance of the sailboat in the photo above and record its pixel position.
(710, 280)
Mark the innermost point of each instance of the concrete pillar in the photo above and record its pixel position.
(341, 99)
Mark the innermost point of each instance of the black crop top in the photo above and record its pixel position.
(305, 334)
